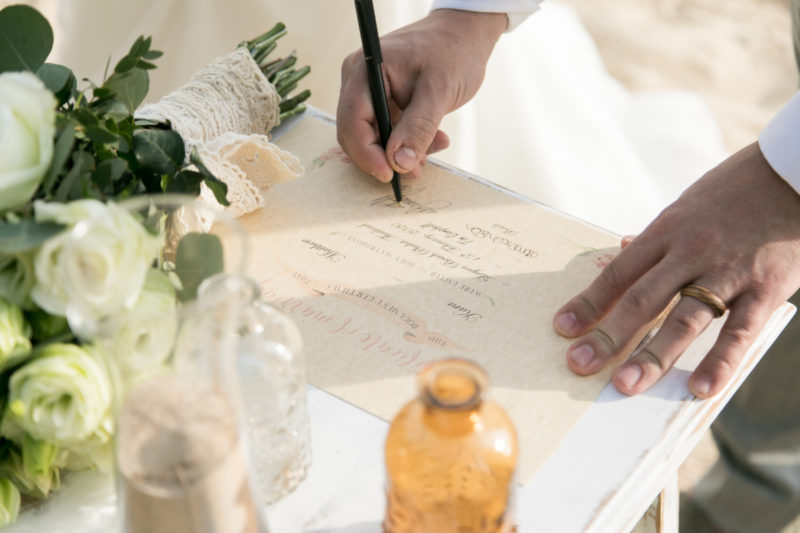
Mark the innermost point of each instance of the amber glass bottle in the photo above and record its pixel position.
(450, 456)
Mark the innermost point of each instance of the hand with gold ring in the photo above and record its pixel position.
(730, 242)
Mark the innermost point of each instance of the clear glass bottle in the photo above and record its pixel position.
(450, 456)
(273, 384)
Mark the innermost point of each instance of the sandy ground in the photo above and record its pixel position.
(737, 54)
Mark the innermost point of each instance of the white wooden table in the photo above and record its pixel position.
(603, 477)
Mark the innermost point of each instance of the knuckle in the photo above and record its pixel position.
(611, 277)
(590, 308)
(607, 341)
(649, 357)
(686, 324)
(720, 367)
(420, 132)
(636, 300)
(737, 335)
(349, 63)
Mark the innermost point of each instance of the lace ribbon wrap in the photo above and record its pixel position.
(225, 111)
(250, 165)
(230, 94)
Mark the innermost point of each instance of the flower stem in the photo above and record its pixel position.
(279, 28)
(272, 69)
(296, 111)
(260, 54)
(291, 103)
(280, 72)
(286, 85)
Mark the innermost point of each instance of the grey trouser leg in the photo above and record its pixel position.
(755, 486)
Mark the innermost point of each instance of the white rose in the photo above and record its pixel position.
(96, 269)
(61, 396)
(144, 341)
(70, 213)
(27, 126)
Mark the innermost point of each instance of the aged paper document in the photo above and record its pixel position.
(458, 268)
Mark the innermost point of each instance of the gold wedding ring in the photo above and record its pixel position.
(706, 296)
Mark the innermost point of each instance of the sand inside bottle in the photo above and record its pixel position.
(181, 463)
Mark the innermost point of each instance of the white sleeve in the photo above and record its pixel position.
(780, 142)
(516, 10)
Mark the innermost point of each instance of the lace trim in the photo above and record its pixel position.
(230, 94)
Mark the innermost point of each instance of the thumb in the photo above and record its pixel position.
(415, 131)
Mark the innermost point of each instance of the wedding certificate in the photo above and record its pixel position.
(458, 268)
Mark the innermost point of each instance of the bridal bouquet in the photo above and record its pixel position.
(71, 254)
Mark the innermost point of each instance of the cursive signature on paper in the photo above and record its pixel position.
(409, 204)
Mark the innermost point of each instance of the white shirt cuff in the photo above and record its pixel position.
(780, 142)
(516, 10)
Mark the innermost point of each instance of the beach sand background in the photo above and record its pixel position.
(736, 54)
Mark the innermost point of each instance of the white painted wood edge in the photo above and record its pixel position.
(681, 436)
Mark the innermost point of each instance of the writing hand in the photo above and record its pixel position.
(736, 232)
(430, 68)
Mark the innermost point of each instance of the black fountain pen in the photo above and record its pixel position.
(372, 55)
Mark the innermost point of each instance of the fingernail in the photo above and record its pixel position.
(405, 158)
(386, 178)
(582, 355)
(567, 322)
(629, 375)
(701, 386)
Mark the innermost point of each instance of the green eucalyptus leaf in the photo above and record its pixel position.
(220, 190)
(139, 49)
(59, 80)
(61, 151)
(152, 54)
(71, 186)
(85, 116)
(129, 87)
(26, 38)
(140, 46)
(125, 64)
(199, 256)
(109, 171)
(217, 186)
(101, 93)
(158, 151)
(185, 182)
(98, 134)
(112, 108)
(26, 235)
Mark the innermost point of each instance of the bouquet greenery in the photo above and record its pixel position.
(68, 156)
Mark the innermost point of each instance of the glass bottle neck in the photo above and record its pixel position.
(452, 392)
